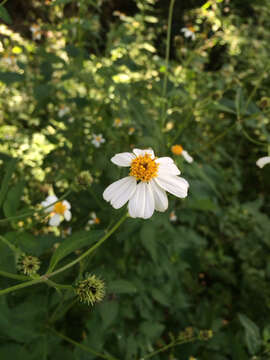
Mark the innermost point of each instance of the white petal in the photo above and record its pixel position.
(48, 201)
(169, 169)
(142, 203)
(67, 215)
(55, 220)
(160, 197)
(119, 192)
(51, 199)
(187, 157)
(139, 152)
(67, 204)
(173, 184)
(123, 159)
(164, 160)
(263, 161)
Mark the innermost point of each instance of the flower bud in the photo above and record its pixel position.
(90, 290)
(83, 180)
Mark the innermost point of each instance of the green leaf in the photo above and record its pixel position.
(160, 297)
(252, 334)
(148, 240)
(8, 77)
(152, 329)
(4, 186)
(108, 312)
(202, 204)
(121, 287)
(14, 352)
(4, 15)
(13, 198)
(74, 242)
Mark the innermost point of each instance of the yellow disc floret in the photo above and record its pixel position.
(177, 149)
(59, 208)
(144, 168)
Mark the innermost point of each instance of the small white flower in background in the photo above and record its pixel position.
(8, 59)
(63, 110)
(117, 122)
(98, 140)
(188, 32)
(131, 130)
(145, 187)
(36, 32)
(261, 162)
(94, 219)
(173, 216)
(59, 210)
(178, 150)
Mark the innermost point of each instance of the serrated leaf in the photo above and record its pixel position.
(4, 186)
(13, 198)
(4, 15)
(252, 334)
(148, 240)
(8, 77)
(121, 287)
(152, 329)
(75, 242)
(160, 297)
(108, 311)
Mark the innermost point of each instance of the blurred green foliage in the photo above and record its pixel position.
(70, 70)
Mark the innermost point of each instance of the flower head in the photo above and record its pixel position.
(145, 187)
(64, 110)
(173, 216)
(261, 162)
(36, 32)
(29, 265)
(94, 219)
(90, 290)
(117, 122)
(131, 130)
(188, 32)
(178, 150)
(98, 140)
(59, 210)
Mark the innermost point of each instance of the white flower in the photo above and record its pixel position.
(178, 150)
(63, 110)
(117, 122)
(59, 210)
(98, 140)
(263, 161)
(131, 130)
(188, 32)
(94, 219)
(36, 32)
(145, 187)
(173, 216)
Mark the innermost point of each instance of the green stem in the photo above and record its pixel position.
(168, 347)
(29, 213)
(3, 2)
(92, 248)
(45, 277)
(13, 276)
(11, 246)
(168, 42)
(82, 346)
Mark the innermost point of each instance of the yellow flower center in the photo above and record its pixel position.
(96, 220)
(59, 208)
(177, 149)
(143, 168)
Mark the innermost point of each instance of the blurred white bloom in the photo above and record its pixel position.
(117, 122)
(178, 150)
(63, 110)
(131, 130)
(8, 60)
(59, 210)
(94, 219)
(173, 216)
(145, 187)
(263, 161)
(98, 140)
(36, 32)
(188, 32)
